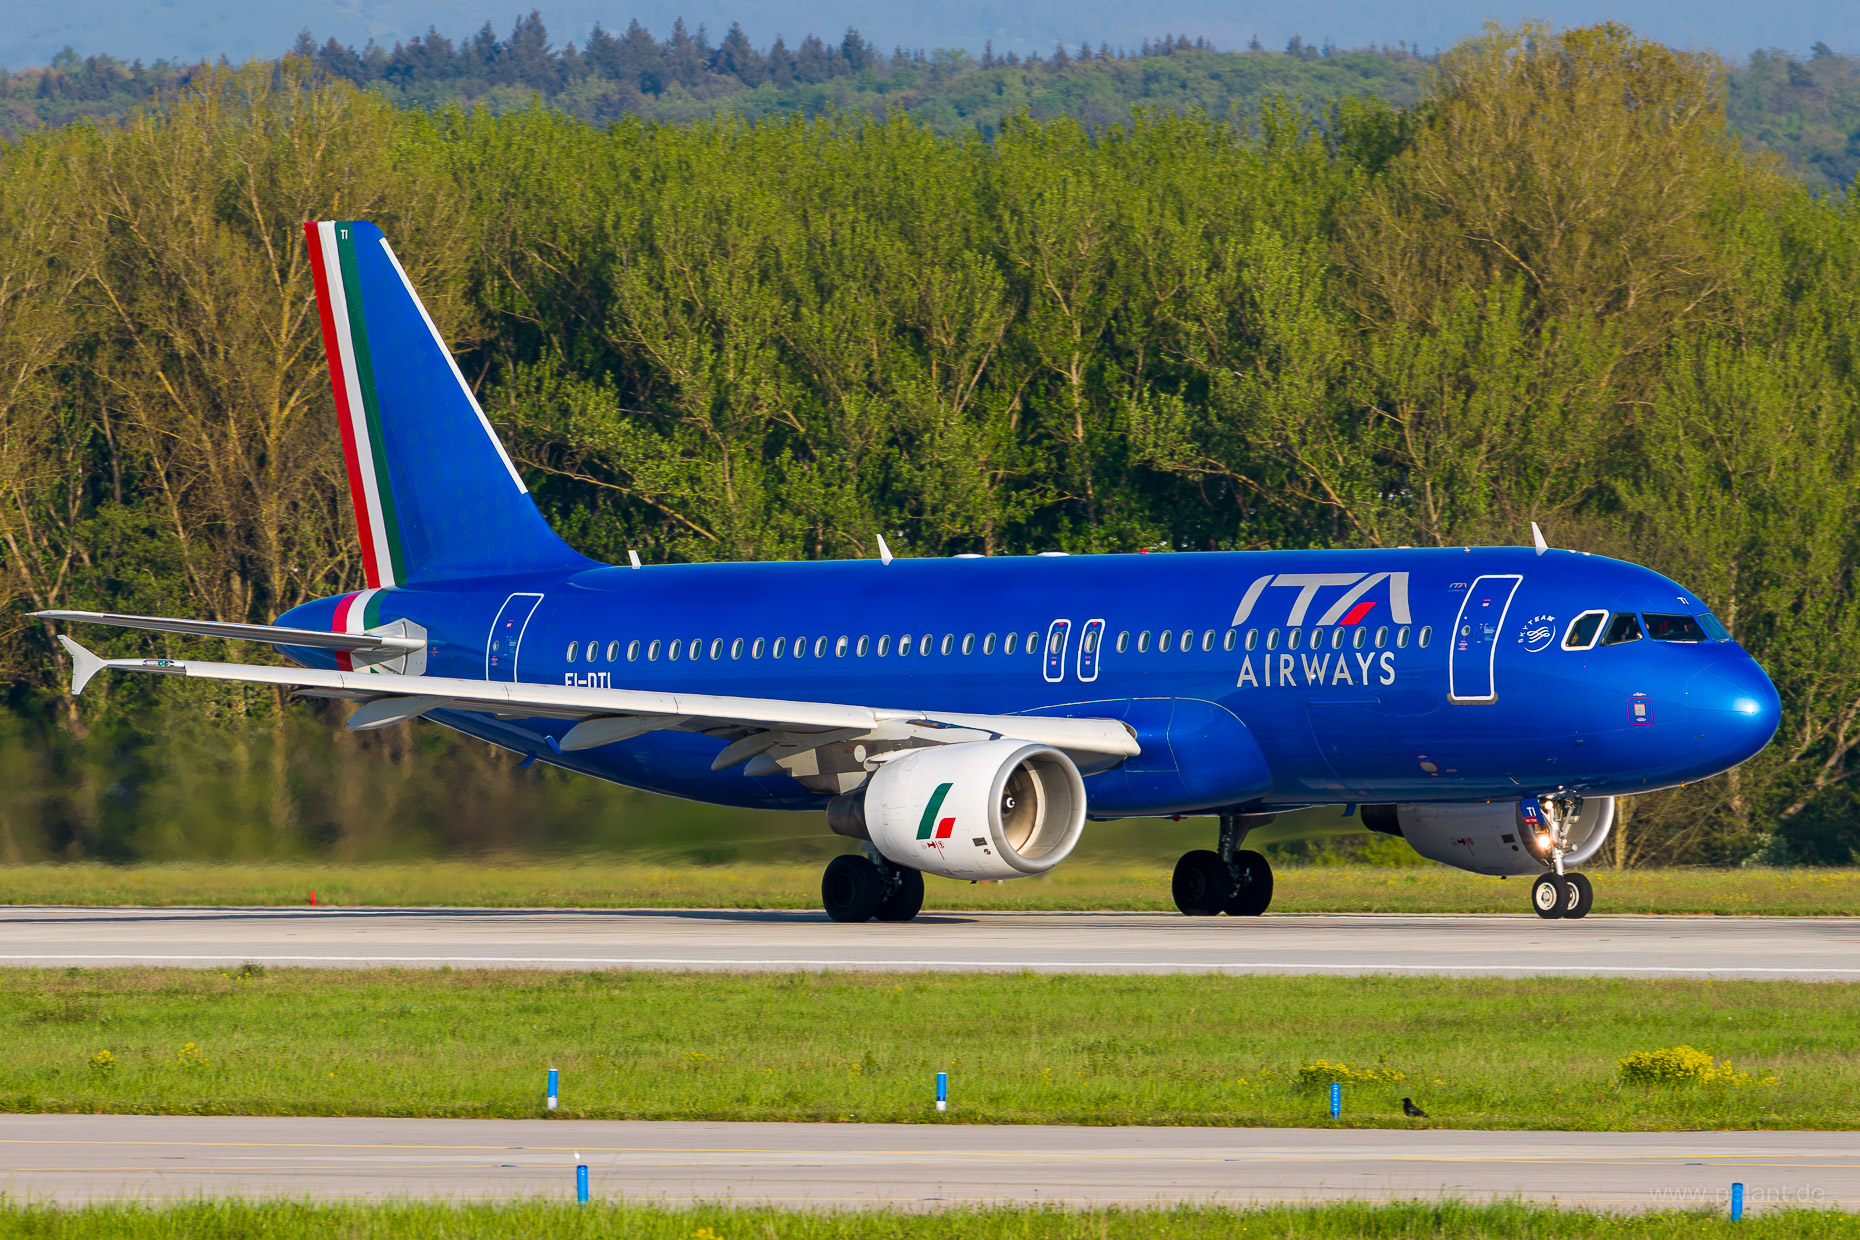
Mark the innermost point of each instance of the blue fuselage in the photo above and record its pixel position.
(1285, 678)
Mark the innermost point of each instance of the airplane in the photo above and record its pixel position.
(964, 716)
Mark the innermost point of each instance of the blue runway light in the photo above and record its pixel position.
(942, 1091)
(1336, 1099)
(554, 1078)
(1737, 1202)
(581, 1183)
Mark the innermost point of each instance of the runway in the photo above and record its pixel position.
(1806, 948)
(70, 1158)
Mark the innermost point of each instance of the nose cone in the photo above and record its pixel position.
(1734, 710)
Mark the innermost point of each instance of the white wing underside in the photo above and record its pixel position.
(767, 734)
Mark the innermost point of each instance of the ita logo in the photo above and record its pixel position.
(1537, 634)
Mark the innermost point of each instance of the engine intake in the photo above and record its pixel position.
(979, 810)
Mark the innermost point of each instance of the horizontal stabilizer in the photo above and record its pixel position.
(269, 633)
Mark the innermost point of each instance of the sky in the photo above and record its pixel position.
(32, 31)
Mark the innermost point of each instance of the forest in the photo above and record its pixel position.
(1806, 109)
(1555, 288)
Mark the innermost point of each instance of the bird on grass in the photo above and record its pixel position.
(1412, 1111)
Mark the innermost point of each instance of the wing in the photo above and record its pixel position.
(762, 732)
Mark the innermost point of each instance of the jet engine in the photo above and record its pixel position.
(1507, 837)
(976, 810)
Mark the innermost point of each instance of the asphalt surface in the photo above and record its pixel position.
(1808, 948)
(70, 1158)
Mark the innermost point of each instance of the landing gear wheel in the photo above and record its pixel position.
(1202, 884)
(851, 889)
(905, 899)
(1579, 895)
(1252, 887)
(1548, 896)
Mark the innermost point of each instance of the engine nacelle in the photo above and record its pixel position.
(978, 810)
(1501, 838)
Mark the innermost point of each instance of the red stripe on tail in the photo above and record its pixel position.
(332, 348)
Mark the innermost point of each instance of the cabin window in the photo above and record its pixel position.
(1123, 641)
(1671, 628)
(1711, 625)
(1167, 641)
(968, 643)
(1143, 642)
(1207, 640)
(1033, 643)
(1293, 637)
(613, 652)
(1401, 638)
(841, 646)
(780, 648)
(1232, 637)
(988, 644)
(1624, 628)
(652, 652)
(673, 650)
(1427, 636)
(1583, 630)
(697, 648)
(1382, 637)
(1336, 639)
(1010, 643)
(1272, 639)
(949, 642)
(820, 647)
(1359, 638)
(1091, 641)
(884, 644)
(1252, 639)
(1188, 640)
(926, 646)
(755, 649)
(904, 645)
(594, 649)
(572, 648)
(865, 644)
(736, 648)
(632, 651)
(1317, 639)
(716, 647)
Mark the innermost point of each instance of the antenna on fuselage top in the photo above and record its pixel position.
(884, 552)
(632, 557)
(1537, 539)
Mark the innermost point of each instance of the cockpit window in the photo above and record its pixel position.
(1666, 628)
(1715, 630)
(1625, 627)
(1582, 630)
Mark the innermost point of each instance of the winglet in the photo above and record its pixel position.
(84, 664)
(884, 552)
(1537, 539)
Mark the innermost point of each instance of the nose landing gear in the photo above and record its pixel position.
(1566, 895)
(1234, 881)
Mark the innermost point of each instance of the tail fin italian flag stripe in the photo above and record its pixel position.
(358, 409)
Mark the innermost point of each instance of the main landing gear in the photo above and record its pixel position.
(1234, 880)
(859, 888)
(1562, 895)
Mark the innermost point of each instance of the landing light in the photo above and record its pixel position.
(1543, 841)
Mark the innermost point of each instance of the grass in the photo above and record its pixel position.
(1476, 1052)
(512, 883)
(537, 1220)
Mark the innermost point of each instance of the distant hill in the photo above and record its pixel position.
(1806, 109)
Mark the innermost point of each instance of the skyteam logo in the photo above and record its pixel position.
(1537, 634)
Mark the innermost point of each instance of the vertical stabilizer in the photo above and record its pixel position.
(435, 493)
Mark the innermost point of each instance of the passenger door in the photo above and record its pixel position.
(505, 640)
(1470, 675)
